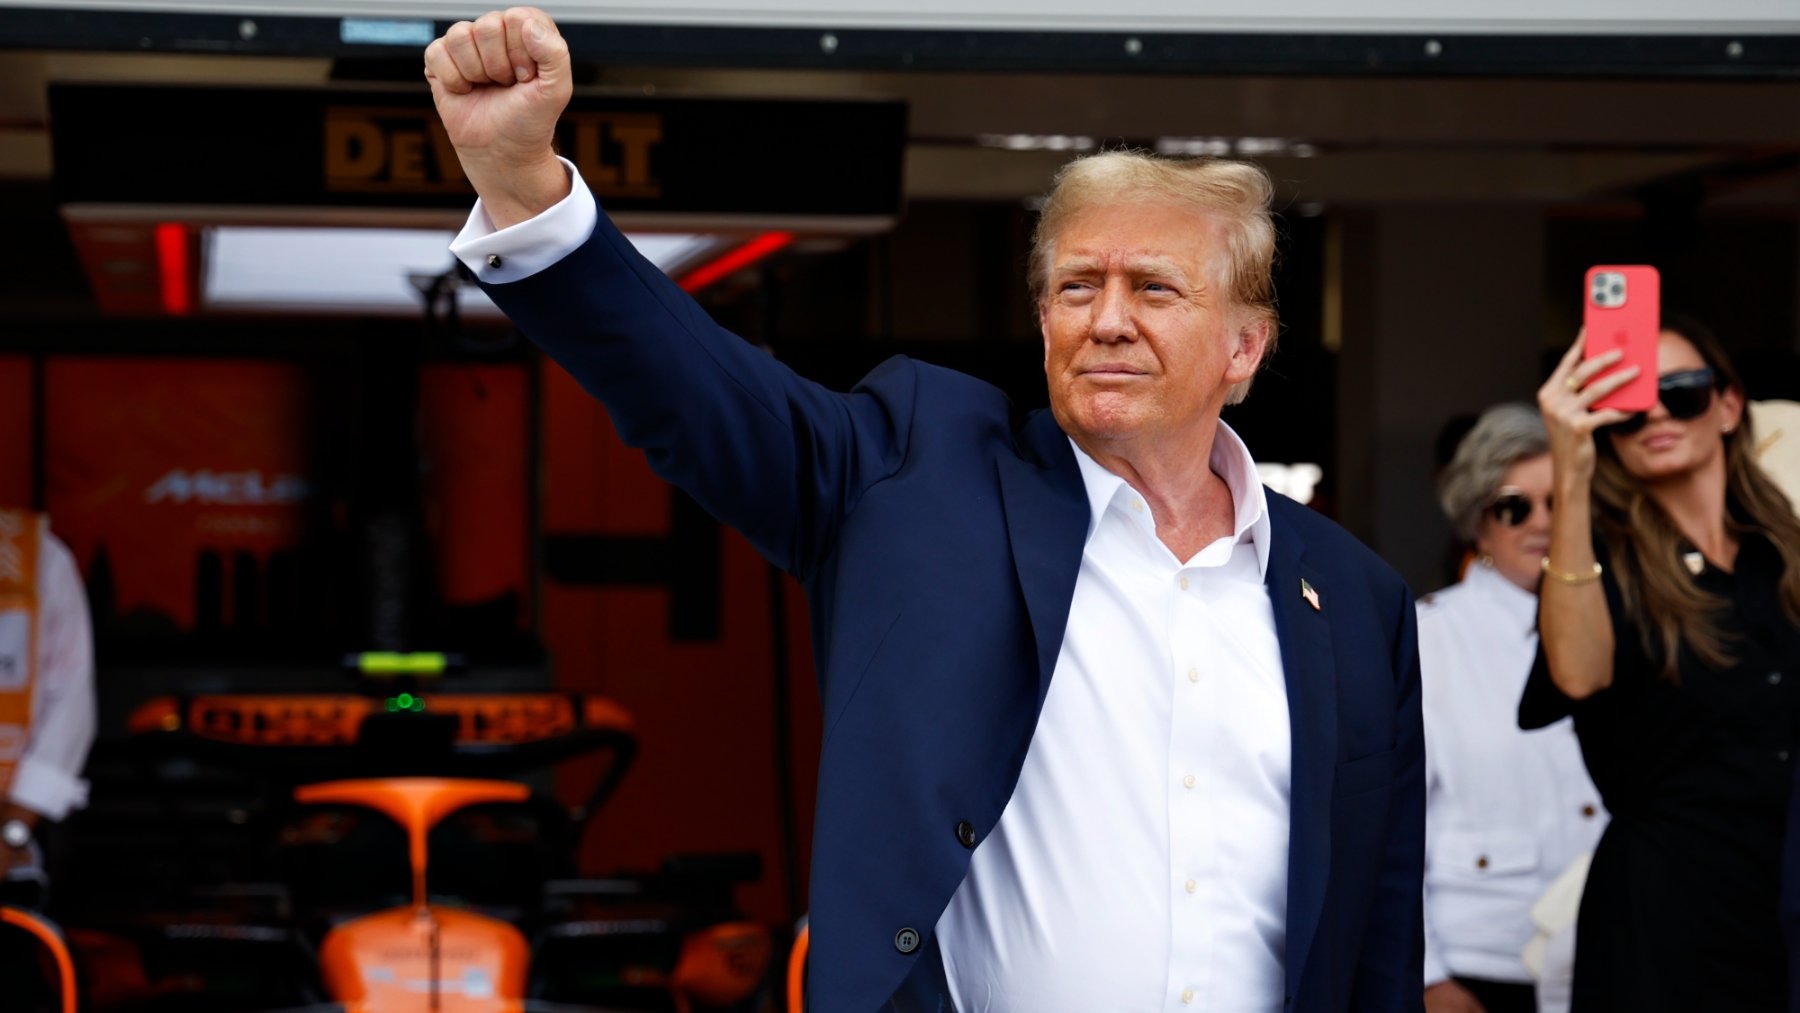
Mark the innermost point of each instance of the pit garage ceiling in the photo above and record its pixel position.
(1362, 140)
(1719, 125)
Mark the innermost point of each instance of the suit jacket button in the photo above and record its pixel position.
(965, 833)
(906, 940)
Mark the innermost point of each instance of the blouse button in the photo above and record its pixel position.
(1589, 811)
(1482, 862)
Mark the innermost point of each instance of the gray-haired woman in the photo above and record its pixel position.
(1506, 811)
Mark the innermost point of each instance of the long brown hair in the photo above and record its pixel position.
(1645, 547)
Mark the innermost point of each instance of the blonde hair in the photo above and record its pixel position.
(1236, 194)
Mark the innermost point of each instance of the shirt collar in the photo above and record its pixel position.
(1514, 602)
(1230, 460)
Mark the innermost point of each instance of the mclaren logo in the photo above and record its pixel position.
(226, 488)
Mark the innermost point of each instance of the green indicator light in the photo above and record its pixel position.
(419, 704)
(405, 701)
(394, 663)
(392, 705)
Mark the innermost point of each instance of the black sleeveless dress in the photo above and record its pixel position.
(1681, 910)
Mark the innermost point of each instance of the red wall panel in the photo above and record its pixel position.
(474, 432)
(159, 460)
(706, 776)
(16, 406)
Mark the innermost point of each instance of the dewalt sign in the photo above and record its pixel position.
(289, 148)
(401, 150)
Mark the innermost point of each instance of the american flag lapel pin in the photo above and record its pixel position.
(1307, 592)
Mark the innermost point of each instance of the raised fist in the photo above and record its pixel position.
(500, 83)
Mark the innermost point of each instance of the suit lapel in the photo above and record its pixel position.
(1046, 522)
(1306, 658)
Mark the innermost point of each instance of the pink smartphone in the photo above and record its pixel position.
(1624, 311)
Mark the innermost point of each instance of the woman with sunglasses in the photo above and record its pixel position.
(1670, 623)
(1506, 811)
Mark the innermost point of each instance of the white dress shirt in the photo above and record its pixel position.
(1506, 810)
(48, 779)
(1141, 863)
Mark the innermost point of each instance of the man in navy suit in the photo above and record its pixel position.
(1108, 726)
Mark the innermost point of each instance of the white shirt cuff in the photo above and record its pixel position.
(46, 789)
(522, 250)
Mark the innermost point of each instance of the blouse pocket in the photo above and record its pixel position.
(1479, 856)
(1479, 891)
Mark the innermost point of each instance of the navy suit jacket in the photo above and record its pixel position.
(938, 547)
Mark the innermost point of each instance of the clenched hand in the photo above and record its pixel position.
(500, 83)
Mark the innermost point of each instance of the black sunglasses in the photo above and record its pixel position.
(1686, 395)
(1512, 507)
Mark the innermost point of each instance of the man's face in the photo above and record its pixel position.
(1140, 340)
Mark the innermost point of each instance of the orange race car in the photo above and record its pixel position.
(34, 964)
(409, 877)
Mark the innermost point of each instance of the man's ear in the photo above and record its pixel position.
(1253, 335)
(1043, 315)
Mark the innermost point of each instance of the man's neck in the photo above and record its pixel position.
(1193, 506)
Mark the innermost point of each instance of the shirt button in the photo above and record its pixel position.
(965, 834)
(1774, 678)
(1782, 755)
(906, 940)
(1193, 675)
(1184, 583)
(1482, 862)
(495, 260)
(1589, 811)
(1188, 781)
(1191, 886)
(1137, 505)
(1187, 996)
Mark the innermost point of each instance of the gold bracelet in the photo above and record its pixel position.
(1572, 578)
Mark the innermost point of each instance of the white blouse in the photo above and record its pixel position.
(1506, 810)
